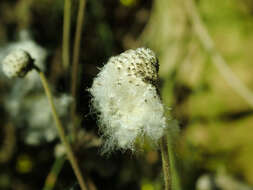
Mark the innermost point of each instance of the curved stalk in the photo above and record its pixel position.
(62, 135)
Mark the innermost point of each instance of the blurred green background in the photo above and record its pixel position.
(214, 147)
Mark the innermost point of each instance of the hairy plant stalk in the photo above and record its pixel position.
(66, 33)
(76, 52)
(232, 80)
(165, 163)
(62, 135)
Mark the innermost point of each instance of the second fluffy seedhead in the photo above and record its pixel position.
(17, 63)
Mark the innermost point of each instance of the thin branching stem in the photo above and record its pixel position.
(165, 163)
(66, 33)
(76, 52)
(61, 132)
(233, 81)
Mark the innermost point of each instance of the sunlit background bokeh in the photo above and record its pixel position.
(207, 89)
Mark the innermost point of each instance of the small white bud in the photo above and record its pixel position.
(59, 150)
(17, 64)
(125, 96)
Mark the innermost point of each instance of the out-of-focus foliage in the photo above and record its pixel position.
(215, 141)
(216, 122)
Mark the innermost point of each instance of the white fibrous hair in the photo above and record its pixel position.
(125, 96)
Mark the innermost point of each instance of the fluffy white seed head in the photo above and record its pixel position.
(125, 96)
(17, 63)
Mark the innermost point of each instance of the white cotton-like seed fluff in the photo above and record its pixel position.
(125, 96)
(17, 63)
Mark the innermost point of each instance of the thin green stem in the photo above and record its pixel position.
(54, 172)
(66, 33)
(165, 163)
(62, 135)
(76, 52)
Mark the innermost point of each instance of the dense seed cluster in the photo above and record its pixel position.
(17, 63)
(140, 63)
(125, 96)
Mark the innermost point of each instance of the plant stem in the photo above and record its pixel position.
(53, 174)
(75, 61)
(66, 33)
(62, 135)
(165, 163)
